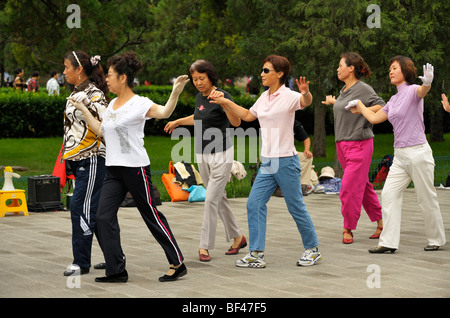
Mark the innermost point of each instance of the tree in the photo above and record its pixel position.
(42, 31)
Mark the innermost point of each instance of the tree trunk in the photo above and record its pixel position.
(319, 146)
(437, 124)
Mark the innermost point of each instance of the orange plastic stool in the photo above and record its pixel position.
(18, 204)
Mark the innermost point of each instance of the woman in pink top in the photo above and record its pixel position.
(413, 157)
(275, 110)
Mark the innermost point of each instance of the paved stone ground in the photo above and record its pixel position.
(36, 249)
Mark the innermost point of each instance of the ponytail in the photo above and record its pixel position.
(361, 67)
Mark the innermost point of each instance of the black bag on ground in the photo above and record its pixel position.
(129, 202)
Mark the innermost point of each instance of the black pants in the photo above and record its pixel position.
(119, 181)
(89, 175)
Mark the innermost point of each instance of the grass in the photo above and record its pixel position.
(39, 156)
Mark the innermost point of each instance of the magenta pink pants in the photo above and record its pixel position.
(356, 190)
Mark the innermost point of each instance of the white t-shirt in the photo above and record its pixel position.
(123, 131)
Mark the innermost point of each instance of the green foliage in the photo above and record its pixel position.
(39, 115)
(235, 35)
(30, 114)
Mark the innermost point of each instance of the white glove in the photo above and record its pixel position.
(77, 105)
(179, 84)
(428, 74)
(81, 97)
(352, 103)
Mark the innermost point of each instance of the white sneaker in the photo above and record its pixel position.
(310, 257)
(252, 259)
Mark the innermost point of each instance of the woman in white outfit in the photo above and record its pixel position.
(413, 157)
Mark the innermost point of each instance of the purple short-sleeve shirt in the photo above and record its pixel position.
(405, 113)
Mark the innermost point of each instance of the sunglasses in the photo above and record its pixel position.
(266, 70)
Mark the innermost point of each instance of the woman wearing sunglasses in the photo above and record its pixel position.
(275, 110)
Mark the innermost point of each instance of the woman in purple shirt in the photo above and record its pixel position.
(413, 157)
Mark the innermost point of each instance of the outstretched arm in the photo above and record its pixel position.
(185, 121)
(373, 117)
(161, 112)
(217, 97)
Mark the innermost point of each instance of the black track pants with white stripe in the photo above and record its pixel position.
(89, 176)
(119, 181)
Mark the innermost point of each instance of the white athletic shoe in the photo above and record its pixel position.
(252, 259)
(310, 257)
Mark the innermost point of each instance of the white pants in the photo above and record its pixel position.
(215, 171)
(415, 164)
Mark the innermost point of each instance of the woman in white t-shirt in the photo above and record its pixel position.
(275, 110)
(128, 166)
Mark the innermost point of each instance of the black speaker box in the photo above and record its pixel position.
(44, 194)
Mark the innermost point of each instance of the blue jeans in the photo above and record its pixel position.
(283, 172)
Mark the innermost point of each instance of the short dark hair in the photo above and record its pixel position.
(53, 73)
(409, 71)
(280, 64)
(126, 63)
(35, 73)
(204, 66)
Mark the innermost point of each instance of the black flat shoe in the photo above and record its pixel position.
(117, 278)
(180, 271)
(100, 266)
(382, 249)
(75, 270)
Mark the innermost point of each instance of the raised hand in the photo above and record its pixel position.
(329, 100)
(445, 103)
(179, 84)
(428, 74)
(303, 85)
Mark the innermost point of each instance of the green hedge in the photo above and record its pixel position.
(25, 115)
(30, 114)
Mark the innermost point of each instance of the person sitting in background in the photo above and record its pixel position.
(306, 158)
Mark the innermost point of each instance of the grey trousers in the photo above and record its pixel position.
(215, 171)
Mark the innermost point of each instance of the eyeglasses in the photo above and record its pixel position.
(266, 70)
(110, 75)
